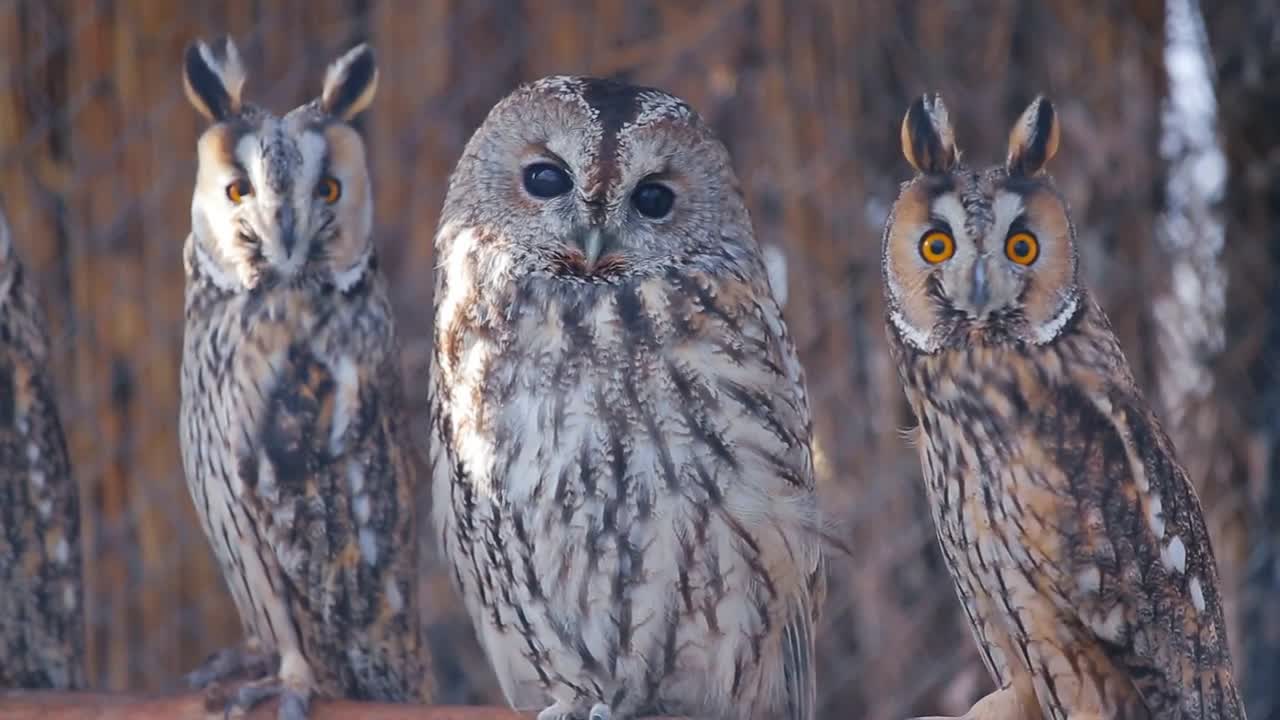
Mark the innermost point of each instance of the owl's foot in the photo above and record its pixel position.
(569, 711)
(294, 702)
(247, 661)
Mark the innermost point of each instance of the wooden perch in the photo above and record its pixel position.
(21, 705)
(25, 705)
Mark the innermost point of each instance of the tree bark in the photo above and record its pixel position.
(1244, 38)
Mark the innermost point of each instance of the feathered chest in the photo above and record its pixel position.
(987, 440)
(649, 383)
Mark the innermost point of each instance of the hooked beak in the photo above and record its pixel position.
(980, 289)
(592, 242)
(287, 225)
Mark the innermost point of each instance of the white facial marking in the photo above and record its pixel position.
(1006, 208)
(1050, 330)
(920, 339)
(951, 210)
(246, 153)
(346, 279)
(213, 270)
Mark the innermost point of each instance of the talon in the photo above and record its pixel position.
(249, 696)
(293, 704)
(600, 711)
(558, 711)
(228, 663)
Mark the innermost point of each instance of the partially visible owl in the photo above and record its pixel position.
(623, 479)
(41, 603)
(1074, 537)
(292, 430)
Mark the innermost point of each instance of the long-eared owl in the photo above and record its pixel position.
(1075, 540)
(41, 591)
(292, 426)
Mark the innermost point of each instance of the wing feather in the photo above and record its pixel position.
(1153, 603)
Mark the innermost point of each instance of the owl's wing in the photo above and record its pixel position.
(798, 647)
(40, 552)
(791, 410)
(333, 497)
(1145, 581)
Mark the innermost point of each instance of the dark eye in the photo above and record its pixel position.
(653, 200)
(238, 190)
(329, 189)
(544, 180)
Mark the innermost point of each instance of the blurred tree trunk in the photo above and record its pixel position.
(1245, 41)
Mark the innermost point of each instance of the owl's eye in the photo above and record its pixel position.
(238, 190)
(1022, 248)
(544, 180)
(653, 200)
(329, 189)
(937, 246)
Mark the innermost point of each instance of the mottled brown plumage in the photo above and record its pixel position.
(293, 436)
(1074, 537)
(623, 478)
(41, 603)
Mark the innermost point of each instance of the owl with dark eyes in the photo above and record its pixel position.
(1074, 537)
(621, 444)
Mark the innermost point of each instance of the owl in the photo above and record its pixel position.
(292, 427)
(1074, 538)
(41, 609)
(621, 444)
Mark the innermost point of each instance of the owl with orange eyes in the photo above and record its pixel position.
(1074, 537)
(292, 419)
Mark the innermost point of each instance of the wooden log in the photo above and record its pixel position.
(21, 705)
(24, 705)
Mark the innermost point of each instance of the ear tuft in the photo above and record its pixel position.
(350, 83)
(928, 142)
(213, 84)
(1034, 138)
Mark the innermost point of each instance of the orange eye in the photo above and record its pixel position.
(329, 190)
(937, 246)
(1022, 248)
(238, 190)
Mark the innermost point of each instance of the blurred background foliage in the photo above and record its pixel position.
(1170, 159)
